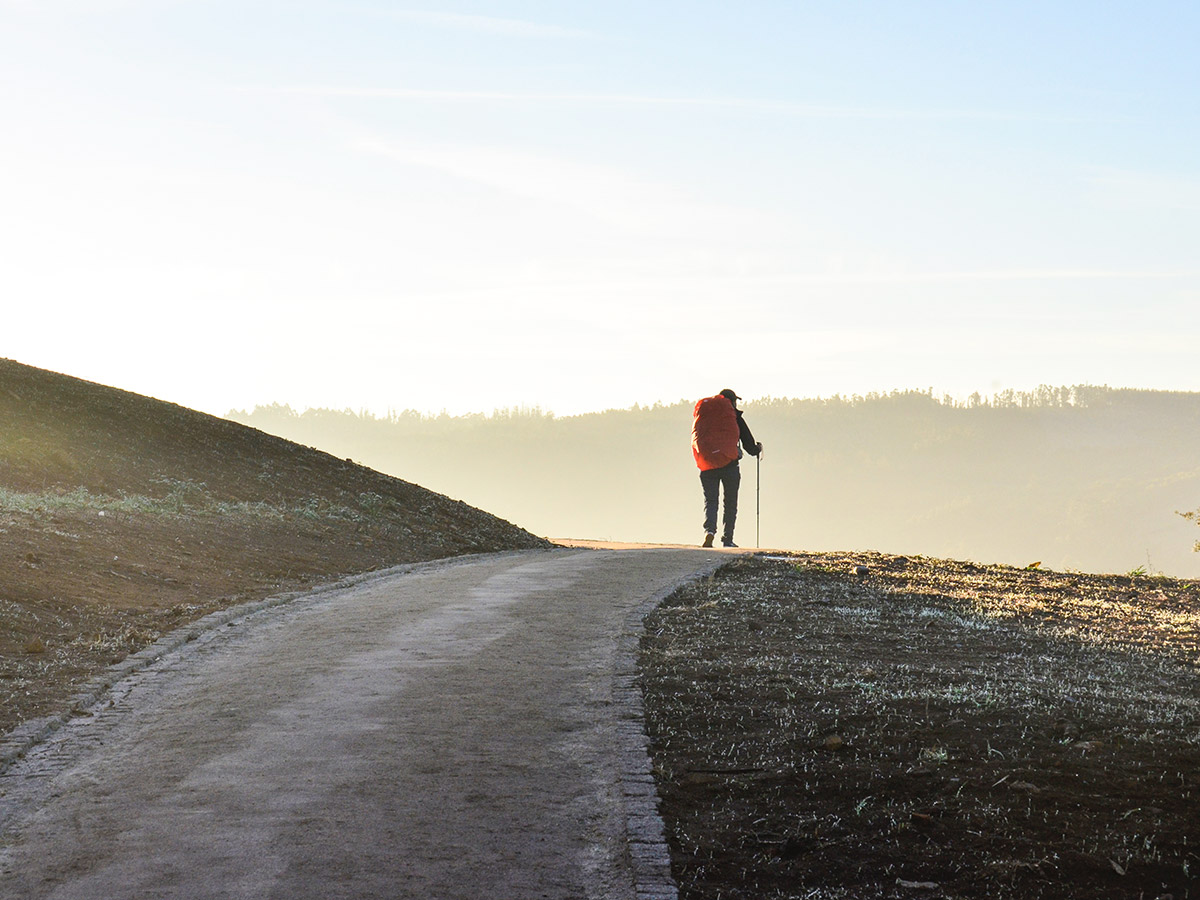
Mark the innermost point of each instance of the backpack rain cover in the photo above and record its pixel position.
(714, 433)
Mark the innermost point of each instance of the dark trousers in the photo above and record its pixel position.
(730, 477)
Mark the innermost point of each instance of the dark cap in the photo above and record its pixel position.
(729, 395)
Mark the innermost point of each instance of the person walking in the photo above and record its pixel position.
(718, 427)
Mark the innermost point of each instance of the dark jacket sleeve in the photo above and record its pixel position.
(747, 438)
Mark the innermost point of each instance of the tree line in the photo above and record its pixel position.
(1084, 477)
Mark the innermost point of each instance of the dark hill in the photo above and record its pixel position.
(122, 516)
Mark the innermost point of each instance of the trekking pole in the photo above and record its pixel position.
(758, 501)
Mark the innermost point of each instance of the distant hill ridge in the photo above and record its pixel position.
(1083, 477)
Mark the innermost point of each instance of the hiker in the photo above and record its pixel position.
(717, 429)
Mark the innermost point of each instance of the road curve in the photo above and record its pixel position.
(448, 732)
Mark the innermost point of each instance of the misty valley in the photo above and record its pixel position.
(1088, 478)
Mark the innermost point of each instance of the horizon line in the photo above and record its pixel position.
(537, 410)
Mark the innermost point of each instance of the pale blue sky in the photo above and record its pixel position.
(474, 205)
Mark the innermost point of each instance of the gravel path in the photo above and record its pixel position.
(458, 730)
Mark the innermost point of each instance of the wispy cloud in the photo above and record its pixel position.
(606, 193)
(745, 104)
(933, 277)
(489, 24)
(60, 8)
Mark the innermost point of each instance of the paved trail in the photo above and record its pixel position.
(456, 731)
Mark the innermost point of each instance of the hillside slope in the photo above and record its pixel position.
(122, 517)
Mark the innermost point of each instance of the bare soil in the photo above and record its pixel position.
(123, 517)
(926, 729)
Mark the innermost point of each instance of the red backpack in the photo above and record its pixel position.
(714, 433)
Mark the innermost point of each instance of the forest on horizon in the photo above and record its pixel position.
(1088, 478)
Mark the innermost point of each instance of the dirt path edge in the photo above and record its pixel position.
(649, 853)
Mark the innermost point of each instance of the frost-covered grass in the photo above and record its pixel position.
(180, 498)
(1000, 733)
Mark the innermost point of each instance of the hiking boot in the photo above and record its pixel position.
(708, 539)
(727, 542)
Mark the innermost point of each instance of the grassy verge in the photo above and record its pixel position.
(933, 727)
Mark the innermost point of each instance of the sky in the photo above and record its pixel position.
(466, 206)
